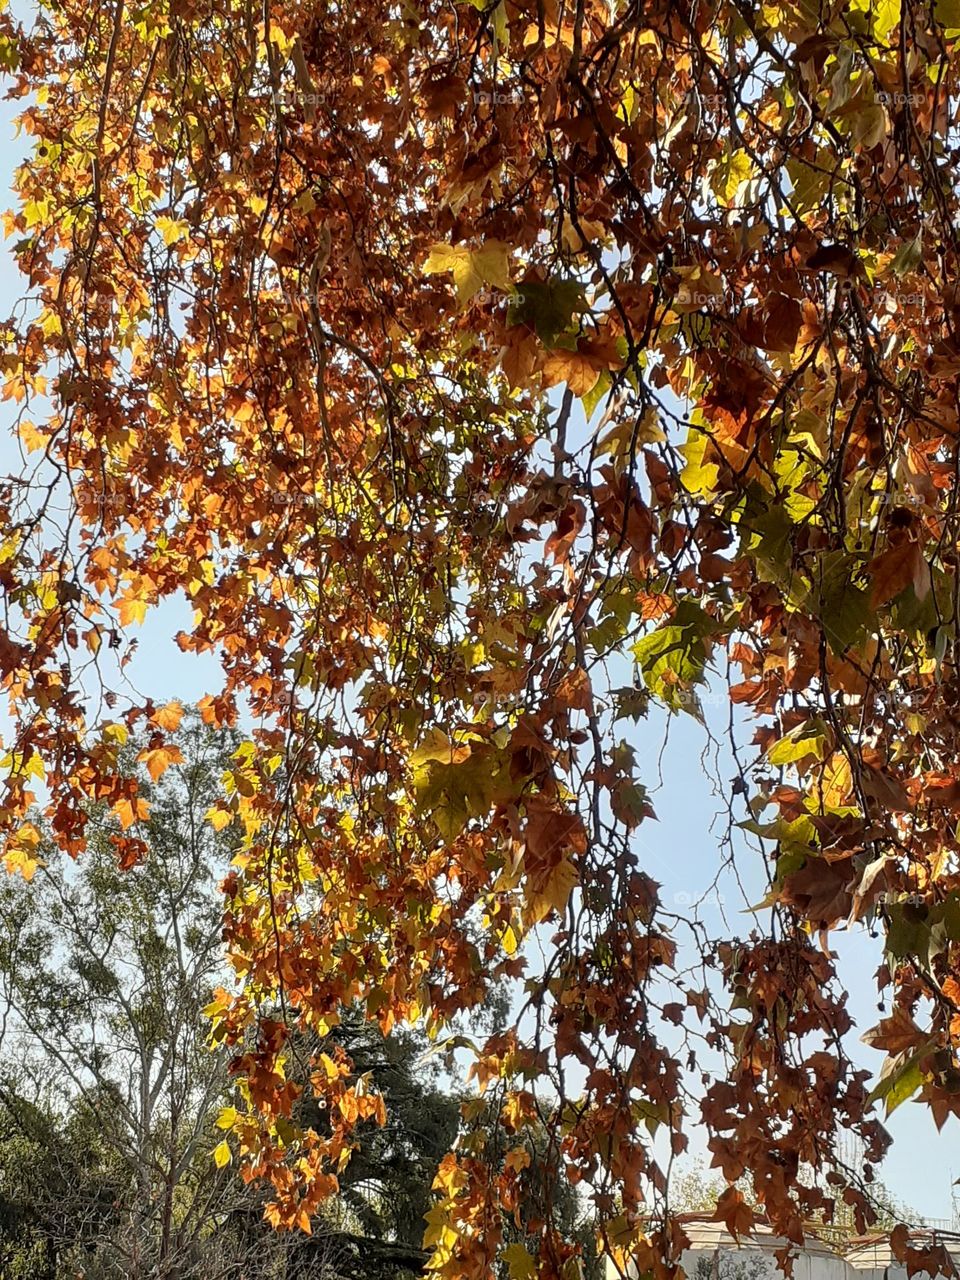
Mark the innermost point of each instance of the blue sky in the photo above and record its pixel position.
(680, 850)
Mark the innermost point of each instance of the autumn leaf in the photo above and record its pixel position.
(896, 1033)
(580, 368)
(159, 759)
(519, 1262)
(734, 1212)
(132, 608)
(168, 717)
(21, 854)
(896, 569)
(219, 817)
(471, 268)
(577, 370)
(130, 811)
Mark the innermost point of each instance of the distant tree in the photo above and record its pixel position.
(110, 1089)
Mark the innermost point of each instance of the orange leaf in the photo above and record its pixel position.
(159, 759)
(131, 811)
(168, 717)
(896, 569)
(734, 1212)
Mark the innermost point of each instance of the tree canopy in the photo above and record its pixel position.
(448, 359)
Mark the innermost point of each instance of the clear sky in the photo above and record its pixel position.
(680, 849)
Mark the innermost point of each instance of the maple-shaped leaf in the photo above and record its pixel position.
(168, 717)
(548, 308)
(580, 366)
(574, 368)
(896, 1033)
(674, 655)
(896, 569)
(159, 759)
(131, 608)
(130, 811)
(734, 1211)
(820, 890)
(520, 1263)
(471, 268)
(21, 854)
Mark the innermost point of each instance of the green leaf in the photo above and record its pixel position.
(909, 931)
(596, 394)
(674, 656)
(909, 254)
(900, 1078)
(546, 308)
(451, 793)
(842, 607)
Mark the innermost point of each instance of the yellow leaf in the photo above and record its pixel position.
(227, 1118)
(730, 173)
(509, 940)
(471, 268)
(219, 818)
(31, 437)
(222, 1154)
(330, 1067)
(172, 229)
(131, 609)
(34, 768)
(521, 1264)
(16, 859)
(886, 16)
(21, 852)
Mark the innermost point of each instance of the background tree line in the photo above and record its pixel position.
(110, 1088)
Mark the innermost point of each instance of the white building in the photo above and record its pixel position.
(714, 1254)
